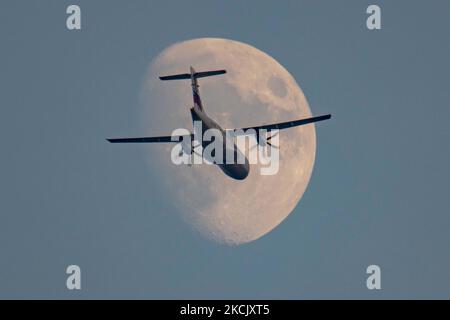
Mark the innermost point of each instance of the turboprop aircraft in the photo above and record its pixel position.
(238, 171)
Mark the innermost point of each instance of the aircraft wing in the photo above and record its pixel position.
(160, 139)
(288, 124)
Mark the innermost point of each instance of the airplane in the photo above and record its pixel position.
(238, 171)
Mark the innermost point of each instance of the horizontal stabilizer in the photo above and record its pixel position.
(186, 76)
(209, 73)
(183, 76)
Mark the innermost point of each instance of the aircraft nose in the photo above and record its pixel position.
(242, 171)
(236, 171)
(241, 174)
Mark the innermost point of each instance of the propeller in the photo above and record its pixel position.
(189, 152)
(266, 140)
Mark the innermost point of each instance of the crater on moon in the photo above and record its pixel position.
(255, 90)
(277, 86)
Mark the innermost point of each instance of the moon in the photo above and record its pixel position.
(255, 90)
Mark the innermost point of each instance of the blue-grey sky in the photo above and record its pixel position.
(379, 193)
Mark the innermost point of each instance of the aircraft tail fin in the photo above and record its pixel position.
(193, 76)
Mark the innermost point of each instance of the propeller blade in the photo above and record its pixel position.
(270, 137)
(276, 147)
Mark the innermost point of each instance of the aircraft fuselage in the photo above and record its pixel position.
(235, 170)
